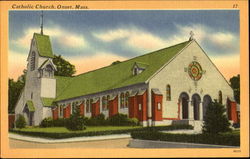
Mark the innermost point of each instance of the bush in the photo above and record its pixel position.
(217, 139)
(47, 122)
(20, 122)
(98, 120)
(60, 122)
(76, 121)
(121, 120)
(215, 120)
(133, 121)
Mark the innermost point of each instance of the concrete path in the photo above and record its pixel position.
(183, 132)
(74, 139)
(136, 143)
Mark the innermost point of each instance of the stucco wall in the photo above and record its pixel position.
(175, 75)
(48, 87)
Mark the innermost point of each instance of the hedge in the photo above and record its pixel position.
(218, 139)
(58, 135)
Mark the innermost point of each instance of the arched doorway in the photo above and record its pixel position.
(184, 98)
(206, 101)
(196, 104)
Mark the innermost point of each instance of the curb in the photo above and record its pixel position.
(137, 143)
(74, 139)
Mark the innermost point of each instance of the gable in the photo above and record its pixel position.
(176, 73)
(120, 74)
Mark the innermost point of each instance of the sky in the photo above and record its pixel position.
(92, 39)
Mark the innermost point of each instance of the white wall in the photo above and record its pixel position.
(48, 87)
(173, 73)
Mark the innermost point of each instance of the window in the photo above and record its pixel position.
(126, 99)
(135, 71)
(90, 105)
(139, 107)
(87, 106)
(159, 106)
(122, 100)
(31, 96)
(168, 93)
(61, 110)
(104, 103)
(108, 98)
(48, 71)
(32, 61)
(220, 97)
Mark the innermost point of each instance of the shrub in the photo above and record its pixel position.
(118, 120)
(46, 122)
(98, 120)
(217, 139)
(60, 122)
(215, 120)
(20, 122)
(76, 121)
(133, 121)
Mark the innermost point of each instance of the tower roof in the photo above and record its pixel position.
(43, 45)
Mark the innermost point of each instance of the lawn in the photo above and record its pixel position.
(65, 130)
(62, 132)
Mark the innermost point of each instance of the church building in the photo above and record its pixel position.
(167, 86)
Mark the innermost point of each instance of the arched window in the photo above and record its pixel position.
(90, 105)
(32, 61)
(61, 110)
(122, 100)
(126, 99)
(103, 102)
(87, 106)
(135, 71)
(168, 92)
(48, 71)
(220, 97)
(108, 97)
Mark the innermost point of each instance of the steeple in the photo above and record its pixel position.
(41, 23)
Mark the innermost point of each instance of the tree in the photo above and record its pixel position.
(76, 121)
(215, 120)
(235, 84)
(64, 68)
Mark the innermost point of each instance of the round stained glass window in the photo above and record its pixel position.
(195, 70)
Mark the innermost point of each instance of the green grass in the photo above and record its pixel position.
(65, 130)
(61, 132)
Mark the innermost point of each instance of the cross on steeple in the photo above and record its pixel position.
(191, 35)
(41, 23)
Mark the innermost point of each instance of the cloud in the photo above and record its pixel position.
(17, 63)
(96, 61)
(134, 37)
(63, 37)
(217, 41)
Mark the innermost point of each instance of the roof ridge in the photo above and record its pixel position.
(131, 59)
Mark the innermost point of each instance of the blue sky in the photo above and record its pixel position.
(84, 37)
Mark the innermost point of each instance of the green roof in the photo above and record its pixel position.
(115, 76)
(43, 45)
(47, 101)
(30, 106)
